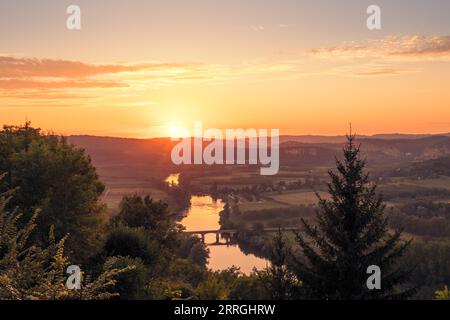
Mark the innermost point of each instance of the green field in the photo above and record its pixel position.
(441, 183)
(260, 205)
(298, 197)
(242, 177)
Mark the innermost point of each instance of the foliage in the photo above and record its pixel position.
(193, 248)
(132, 242)
(50, 174)
(173, 263)
(232, 284)
(432, 168)
(213, 288)
(249, 287)
(422, 226)
(351, 235)
(153, 216)
(443, 294)
(188, 271)
(432, 266)
(30, 272)
(279, 281)
(131, 284)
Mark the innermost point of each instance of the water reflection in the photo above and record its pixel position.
(204, 215)
(173, 179)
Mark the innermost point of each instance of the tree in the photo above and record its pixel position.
(192, 248)
(130, 285)
(351, 234)
(50, 174)
(153, 216)
(278, 280)
(131, 242)
(30, 272)
(172, 262)
(214, 287)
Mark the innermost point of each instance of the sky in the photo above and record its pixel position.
(151, 68)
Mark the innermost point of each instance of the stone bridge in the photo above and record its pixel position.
(230, 233)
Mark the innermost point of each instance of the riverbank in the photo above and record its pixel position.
(204, 214)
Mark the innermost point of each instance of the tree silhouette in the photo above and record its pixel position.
(351, 234)
(278, 280)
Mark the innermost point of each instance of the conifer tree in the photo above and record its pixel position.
(351, 234)
(278, 280)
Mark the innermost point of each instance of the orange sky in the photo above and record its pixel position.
(144, 76)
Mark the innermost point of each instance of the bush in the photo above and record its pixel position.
(130, 285)
(132, 242)
(153, 216)
(193, 249)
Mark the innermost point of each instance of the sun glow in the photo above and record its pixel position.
(177, 132)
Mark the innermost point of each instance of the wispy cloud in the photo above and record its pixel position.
(405, 47)
(31, 78)
(379, 72)
(12, 67)
(22, 75)
(388, 56)
(370, 69)
(17, 84)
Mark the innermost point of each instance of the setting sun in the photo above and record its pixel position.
(247, 151)
(177, 132)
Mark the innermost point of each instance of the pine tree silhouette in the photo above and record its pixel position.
(351, 234)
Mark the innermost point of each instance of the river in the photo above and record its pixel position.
(203, 214)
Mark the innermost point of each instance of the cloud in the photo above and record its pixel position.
(41, 95)
(370, 69)
(378, 72)
(12, 67)
(404, 47)
(53, 78)
(20, 75)
(386, 56)
(17, 84)
(421, 46)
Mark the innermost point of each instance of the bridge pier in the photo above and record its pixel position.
(228, 239)
(230, 235)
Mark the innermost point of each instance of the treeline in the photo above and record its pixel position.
(420, 217)
(427, 169)
(180, 193)
(232, 217)
(256, 190)
(430, 264)
(52, 216)
(393, 192)
(432, 227)
(423, 218)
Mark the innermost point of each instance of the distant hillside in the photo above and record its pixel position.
(114, 154)
(135, 157)
(342, 138)
(376, 150)
(425, 169)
